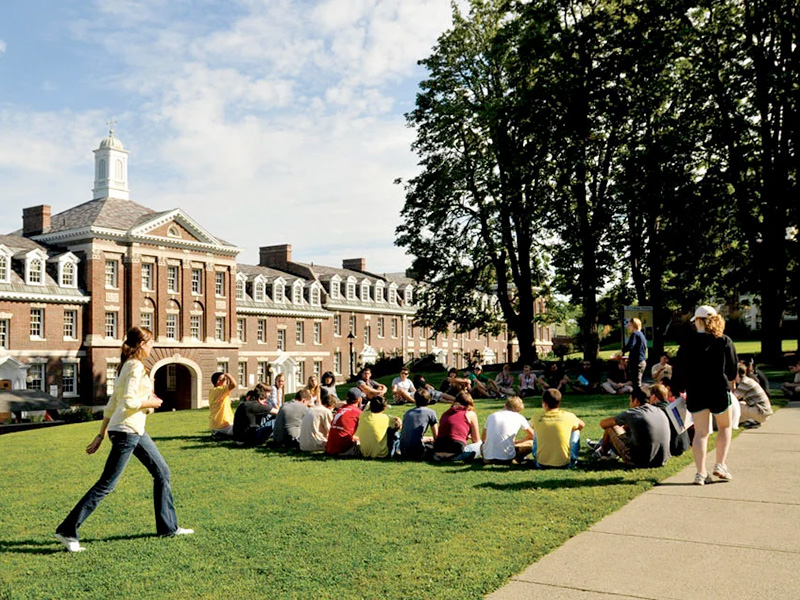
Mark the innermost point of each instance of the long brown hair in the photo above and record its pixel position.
(465, 399)
(132, 346)
(715, 325)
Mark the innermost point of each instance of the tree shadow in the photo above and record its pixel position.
(31, 546)
(553, 484)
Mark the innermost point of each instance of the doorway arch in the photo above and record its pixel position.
(187, 374)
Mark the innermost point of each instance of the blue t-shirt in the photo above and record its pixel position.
(415, 422)
(636, 348)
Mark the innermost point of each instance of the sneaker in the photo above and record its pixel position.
(701, 479)
(179, 531)
(722, 472)
(594, 444)
(71, 544)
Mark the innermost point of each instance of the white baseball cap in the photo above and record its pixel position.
(703, 312)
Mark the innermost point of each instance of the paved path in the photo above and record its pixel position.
(734, 540)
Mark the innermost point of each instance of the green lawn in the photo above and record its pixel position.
(742, 347)
(289, 525)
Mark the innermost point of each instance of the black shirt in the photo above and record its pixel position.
(247, 420)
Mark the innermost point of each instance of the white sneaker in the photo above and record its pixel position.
(722, 472)
(183, 531)
(701, 479)
(71, 544)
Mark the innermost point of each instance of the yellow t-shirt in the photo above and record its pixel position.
(371, 432)
(221, 414)
(553, 430)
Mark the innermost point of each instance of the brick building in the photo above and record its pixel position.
(72, 284)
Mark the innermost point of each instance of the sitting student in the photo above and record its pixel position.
(527, 382)
(328, 383)
(661, 396)
(220, 415)
(588, 379)
(661, 369)
(342, 440)
(791, 389)
(505, 381)
(453, 384)
(755, 404)
(554, 378)
(275, 397)
(755, 373)
(403, 388)
(618, 381)
(436, 396)
(458, 425)
(640, 435)
(558, 434)
(413, 443)
(313, 388)
(376, 430)
(482, 386)
(248, 422)
(289, 419)
(316, 424)
(368, 385)
(500, 433)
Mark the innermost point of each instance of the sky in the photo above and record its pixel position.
(267, 121)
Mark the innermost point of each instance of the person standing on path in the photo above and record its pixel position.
(707, 365)
(636, 351)
(124, 421)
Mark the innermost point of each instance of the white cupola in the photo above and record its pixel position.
(111, 169)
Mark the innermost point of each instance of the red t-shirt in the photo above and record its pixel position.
(343, 428)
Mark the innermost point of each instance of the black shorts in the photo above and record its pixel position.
(717, 402)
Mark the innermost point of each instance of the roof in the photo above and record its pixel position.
(325, 273)
(253, 271)
(18, 243)
(103, 212)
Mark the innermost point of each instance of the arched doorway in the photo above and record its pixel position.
(176, 380)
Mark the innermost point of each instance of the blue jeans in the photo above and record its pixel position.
(574, 451)
(123, 445)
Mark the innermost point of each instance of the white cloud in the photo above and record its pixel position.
(2, 46)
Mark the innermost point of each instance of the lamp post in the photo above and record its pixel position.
(350, 338)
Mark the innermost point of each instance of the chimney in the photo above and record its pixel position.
(277, 257)
(355, 264)
(35, 219)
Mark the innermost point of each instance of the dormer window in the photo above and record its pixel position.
(336, 289)
(68, 274)
(297, 294)
(35, 271)
(240, 289)
(258, 291)
(351, 290)
(277, 292)
(365, 292)
(315, 299)
(5, 265)
(409, 295)
(379, 293)
(173, 231)
(392, 295)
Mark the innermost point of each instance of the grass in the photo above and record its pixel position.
(290, 525)
(752, 347)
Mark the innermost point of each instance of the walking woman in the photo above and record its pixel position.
(124, 420)
(706, 366)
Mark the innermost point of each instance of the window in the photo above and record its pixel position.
(197, 281)
(336, 289)
(35, 272)
(367, 335)
(37, 322)
(337, 325)
(242, 374)
(378, 294)
(422, 333)
(68, 274)
(146, 320)
(380, 327)
(445, 333)
(394, 327)
(5, 327)
(219, 329)
(364, 292)
(409, 295)
(277, 292)
(36, 377)
(222, 366)
(262, 331)
(301, 373)
(351, 291)
(467, 335)
(297, 295)
(69, 379)
(147, 277)
(258, 291)
(219, 283)
(172, 231)
(172, 279)
(353, 324)
(111, 273)
(172, 378)
(318, 368)
(240, 329)
(317, 333)
(282, 340)
(111, 325)
(4, 267)
(262, 372)
(172, 327)
(240, 290)
(410, 330)
(392, 296)
(299, 332)
(315, 296)
(70, 322)
(196, 327)
(111, 377)
(337, 362)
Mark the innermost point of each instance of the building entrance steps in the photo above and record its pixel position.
(679, 541)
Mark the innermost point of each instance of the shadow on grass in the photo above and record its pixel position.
(31, 547)
(553, 484)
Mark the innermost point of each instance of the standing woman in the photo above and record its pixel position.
(706, 366)
(124, 420)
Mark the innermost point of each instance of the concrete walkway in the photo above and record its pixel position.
(734, 540)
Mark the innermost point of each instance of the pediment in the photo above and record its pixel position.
(176, 226)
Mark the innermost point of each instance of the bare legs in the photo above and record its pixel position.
(702, 429)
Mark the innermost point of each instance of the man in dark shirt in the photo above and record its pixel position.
(618, 381)
(636, 351)
(248, 421)
(289, 420)
(640, 435)
(413, 443)
(588, 379)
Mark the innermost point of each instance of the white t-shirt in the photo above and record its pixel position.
(407, 386)
(502, 428)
